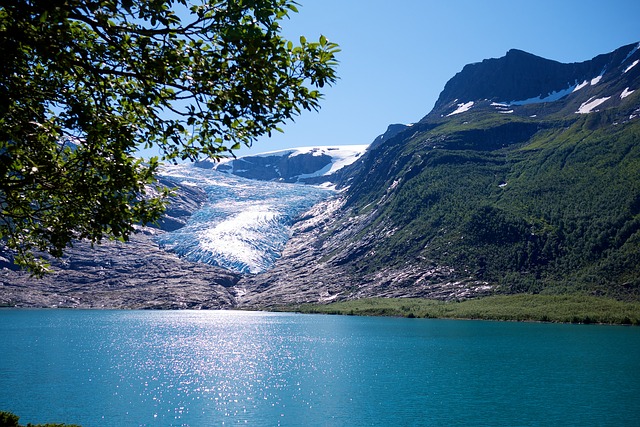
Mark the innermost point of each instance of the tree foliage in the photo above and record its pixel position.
(8, 419)
(85, 84)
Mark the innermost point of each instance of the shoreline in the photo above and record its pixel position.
(560, 308)
(563, 308)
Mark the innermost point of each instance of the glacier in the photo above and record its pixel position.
(245, 223)
(302, 165)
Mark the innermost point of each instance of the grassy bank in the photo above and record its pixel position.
(544, 308)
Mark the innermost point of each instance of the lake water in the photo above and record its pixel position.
(212, 368)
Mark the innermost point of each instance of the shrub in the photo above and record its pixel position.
(7, 419)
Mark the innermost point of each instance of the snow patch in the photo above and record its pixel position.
(502, 107)
(581, 85)
(341, 156)
(345, 156)
(626, 93)
(328, 186)
(551, 97)
(590, 105)
(463, 107)
(632, 65)
(555, 95)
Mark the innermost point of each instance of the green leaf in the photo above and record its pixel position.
(139, 76)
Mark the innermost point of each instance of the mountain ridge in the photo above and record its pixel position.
(484, 195)
(519, 79)
(315, 165)
(530, 198)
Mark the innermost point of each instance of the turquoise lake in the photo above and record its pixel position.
(214, 368)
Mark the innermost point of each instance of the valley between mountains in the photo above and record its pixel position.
(523, 179)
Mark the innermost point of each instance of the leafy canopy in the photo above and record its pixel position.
(85, 84)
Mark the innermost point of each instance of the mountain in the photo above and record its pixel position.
(525, 177)
(522, 83)
(392, 130)
(305, 165)
(217, 228)
(133, 275)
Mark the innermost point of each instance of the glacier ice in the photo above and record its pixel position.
(245, 223)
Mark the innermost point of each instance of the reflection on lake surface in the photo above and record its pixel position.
(189, 368)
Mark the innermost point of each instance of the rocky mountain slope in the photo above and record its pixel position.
(137, 274)
(522, 83)
(524, 178)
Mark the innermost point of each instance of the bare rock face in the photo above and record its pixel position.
(322, 263)
(133, 275)
(186, 200)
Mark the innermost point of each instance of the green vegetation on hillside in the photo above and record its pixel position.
(544, 308)
(551, 206)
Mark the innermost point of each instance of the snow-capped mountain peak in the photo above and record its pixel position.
(519, 83)
(304, 165)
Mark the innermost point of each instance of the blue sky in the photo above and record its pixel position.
(397, 55)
